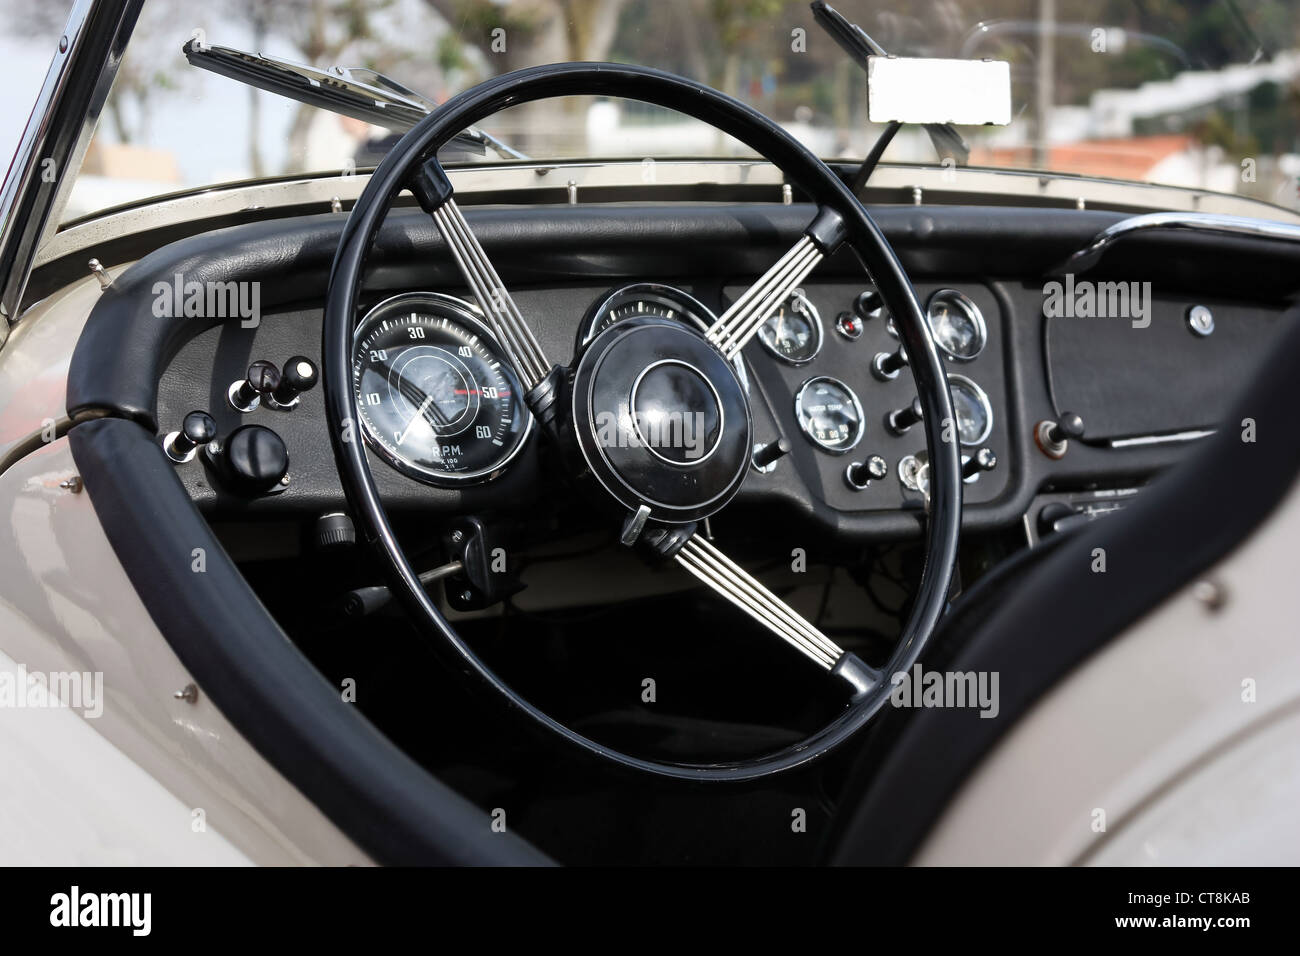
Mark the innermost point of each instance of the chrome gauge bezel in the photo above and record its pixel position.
(857, 405)
(983, 398)
(469, 316)
(815, 320)
(700, 315)
(966, 305)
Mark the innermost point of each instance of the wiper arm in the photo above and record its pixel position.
(855, 41)
(361, 94)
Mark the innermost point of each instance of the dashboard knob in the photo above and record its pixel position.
(299, 375)
(982, 460)
(868, 304)
(901, 419)
(262, 379)
(1053, 437)
(859, 474)
(333, 530)
(767, 455)
(254, 459)
(197, 428)
(886, 365)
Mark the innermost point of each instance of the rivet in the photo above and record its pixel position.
(1211, 594)
(189, 693)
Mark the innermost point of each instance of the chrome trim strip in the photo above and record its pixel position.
(1192, 435)
(54, 142)
(621, 180)
(1091, 254)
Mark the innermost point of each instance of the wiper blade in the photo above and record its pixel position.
(856, 42)
(359, 93)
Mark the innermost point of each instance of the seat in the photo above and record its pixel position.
(1037, 617)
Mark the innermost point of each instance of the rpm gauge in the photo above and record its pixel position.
(435, 397)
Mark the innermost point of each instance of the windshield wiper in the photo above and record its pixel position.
(361, 94)
(855, 41)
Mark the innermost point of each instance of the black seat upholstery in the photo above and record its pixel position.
(1035, 620)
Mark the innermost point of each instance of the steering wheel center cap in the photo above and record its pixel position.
(661, 419)
(676, 412)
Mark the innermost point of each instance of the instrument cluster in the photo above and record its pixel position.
(437, 399)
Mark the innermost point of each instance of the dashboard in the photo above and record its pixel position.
(835, 431)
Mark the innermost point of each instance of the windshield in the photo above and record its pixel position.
(1203, 94)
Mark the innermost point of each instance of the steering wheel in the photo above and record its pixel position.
(651, 366)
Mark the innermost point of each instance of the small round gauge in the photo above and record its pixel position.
(829, 414)
(434, 395)
(793, 333)
(652, 299)
(957, 324)
(972, 408)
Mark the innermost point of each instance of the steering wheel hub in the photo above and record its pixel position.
(662, 419)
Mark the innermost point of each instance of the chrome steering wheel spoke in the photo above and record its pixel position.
(742, 320)
(434, 191)
(702, 559)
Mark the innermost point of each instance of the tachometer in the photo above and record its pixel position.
(435, 397)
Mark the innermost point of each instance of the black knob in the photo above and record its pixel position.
(197, 428)
(886, 365)
(299, 375)
(868, 303)
(862, 473)
(262, 379)
(770, 453)
(1068, 426)
(333, 530)
(901, 419)
(254, 459)
(982, 460)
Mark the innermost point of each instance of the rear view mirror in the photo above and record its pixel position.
(921, 90)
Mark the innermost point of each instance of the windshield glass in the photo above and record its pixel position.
(1196, 93)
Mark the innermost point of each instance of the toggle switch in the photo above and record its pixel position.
(860, 474)
(299, 375)
(886, 365)
(982, 460)
(901, 419)
(197, 428)
(262, 379)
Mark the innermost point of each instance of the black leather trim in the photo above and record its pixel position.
(1047, 620)
(390, 806)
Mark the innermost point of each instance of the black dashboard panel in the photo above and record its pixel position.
(1128, 375)
(560, 261)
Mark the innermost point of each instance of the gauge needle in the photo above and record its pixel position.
(428, 400)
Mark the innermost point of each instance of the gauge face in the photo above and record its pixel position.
(957, 324)
(646, 299)
(434, 396)
(794, 332)
(972, 408)
(652, 299)
(829, 414)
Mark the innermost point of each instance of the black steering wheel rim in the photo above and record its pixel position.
(863, 235)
